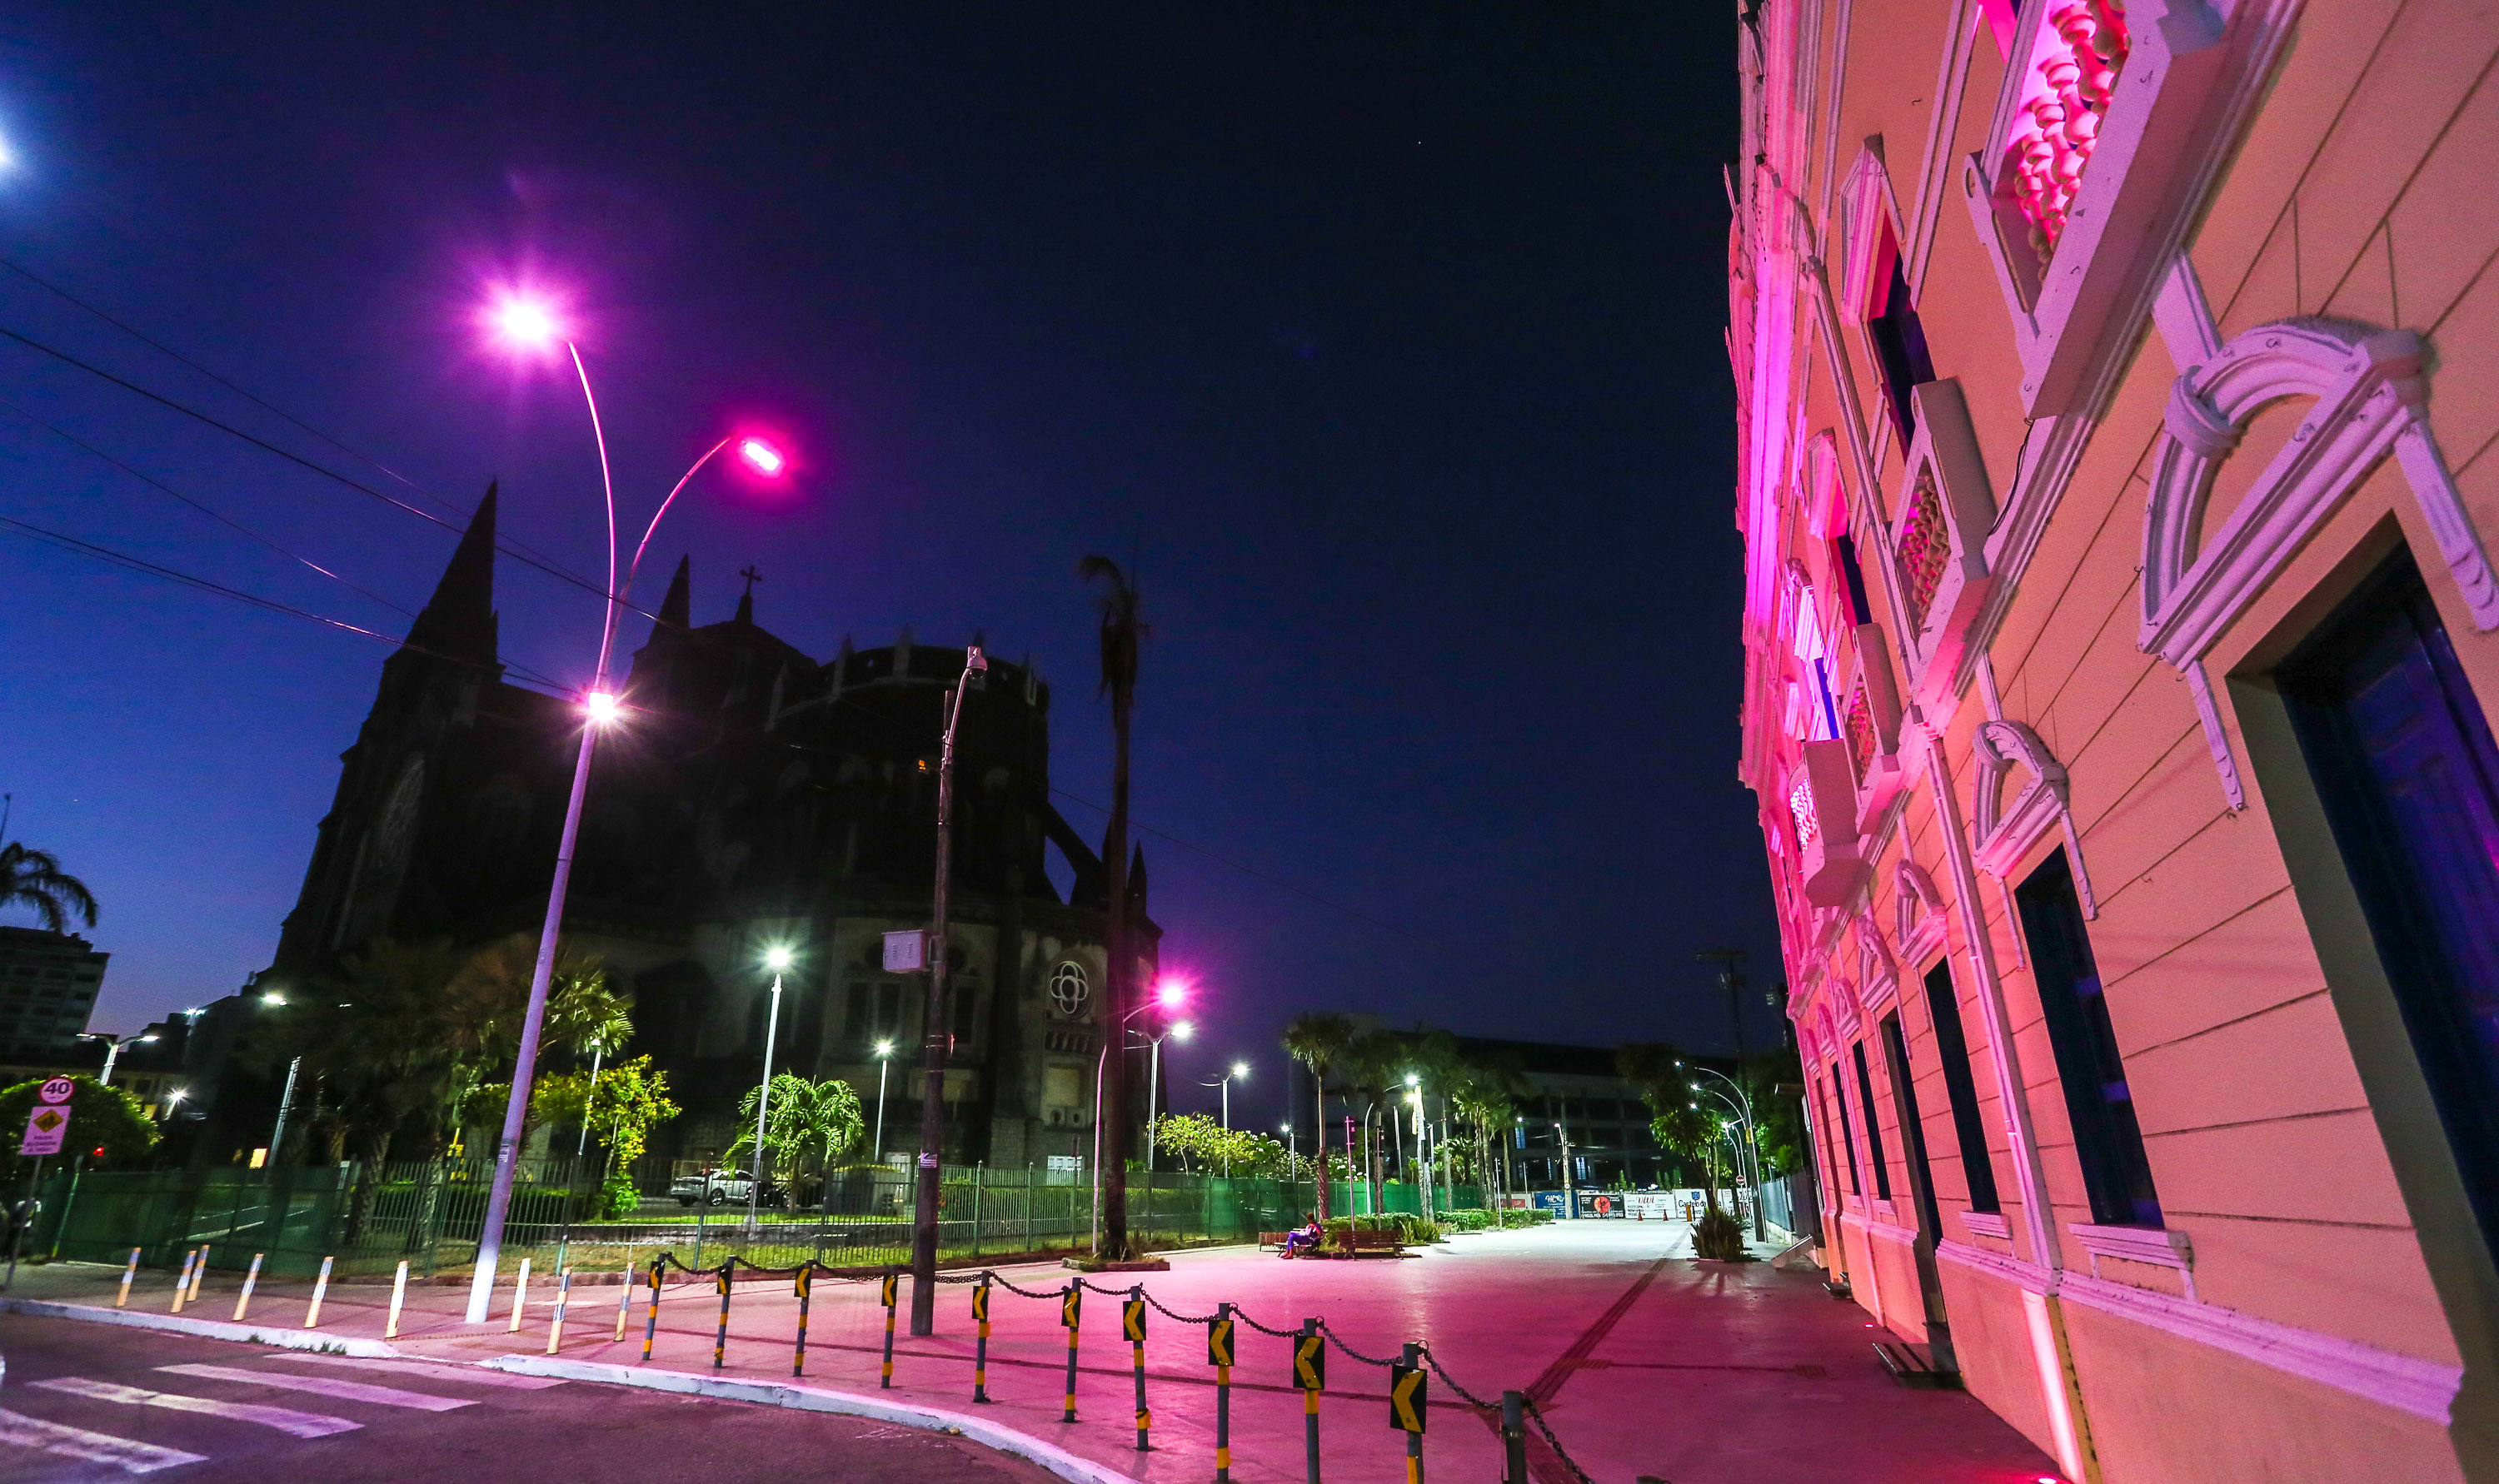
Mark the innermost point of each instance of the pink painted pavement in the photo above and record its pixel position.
(1645, 1363)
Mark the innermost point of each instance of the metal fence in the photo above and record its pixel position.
(373, 1217)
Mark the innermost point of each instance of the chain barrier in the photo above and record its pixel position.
(1407, 1397)
(1332, 1339)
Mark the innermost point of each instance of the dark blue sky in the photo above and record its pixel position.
(1390, 341)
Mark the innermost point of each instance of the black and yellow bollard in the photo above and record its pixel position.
(651, 1327)
(806, 1284)
(1071, 1305)
(1513, 1438)
(1132, 1325)
(893, 1282)
(1310, 1373)
(1218, 1354)
(981, 1346)
(1407, 1400)
(719, 1339)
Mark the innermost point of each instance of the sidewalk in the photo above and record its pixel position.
(1644, 1361)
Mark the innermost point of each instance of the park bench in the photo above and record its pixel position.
(1274, 1240)
(1361, 1244)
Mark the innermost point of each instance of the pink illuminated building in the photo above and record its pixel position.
(2118, 398)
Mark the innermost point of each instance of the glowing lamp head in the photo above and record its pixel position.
(174, 1096)
(1412, 1081)
(273, 999)
(761, 457)
(524, 322)
(147, 1038)
(1170, 993)
(1183, 1031)
(776, 958)
(885, 1049)
(601, 706)
(1240, 1069)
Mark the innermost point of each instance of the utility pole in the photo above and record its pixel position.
(935, 1042)
(1730, 973)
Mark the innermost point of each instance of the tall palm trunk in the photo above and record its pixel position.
(1318, 1144)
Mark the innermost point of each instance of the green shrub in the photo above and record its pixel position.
(618, 1199)
(1717, 1234)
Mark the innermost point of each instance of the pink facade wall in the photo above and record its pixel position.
(2317, 1303)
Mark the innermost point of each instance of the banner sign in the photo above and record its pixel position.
(46, 1127)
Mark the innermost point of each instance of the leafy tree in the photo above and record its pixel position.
(33, 878)
(101, 1117)
(627, 1101)
(1122, 630)
(1316, 1040)
(379, 1038)
(819, 1118)
(1202, 1144)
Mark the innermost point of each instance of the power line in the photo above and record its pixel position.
(291, 457)
(245, 392)
(107, 554)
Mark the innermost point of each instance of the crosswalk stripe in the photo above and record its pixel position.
(284, 1419)
(325, 1386)
(128, 1455)
(441, 1370)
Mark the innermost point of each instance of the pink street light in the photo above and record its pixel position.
(527, 323)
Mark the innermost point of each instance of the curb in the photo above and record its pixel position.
(817, 1398)
(206, 1329)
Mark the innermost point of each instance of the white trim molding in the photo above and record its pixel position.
(2421, 1388)
(1987, 1223)
(1878, 973)
(1941, 514)
(2030, 1277)
(2004, 834)
(2371, 399)
(1917, 911)
(2159, 1246)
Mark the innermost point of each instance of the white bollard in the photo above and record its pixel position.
(320, 1286)
(182, 1283)
(562, 1292)
(127, 1273)
(520, 1296)
(244, 1301)
(399, 1296)
(624, 1299)
(199, 1272)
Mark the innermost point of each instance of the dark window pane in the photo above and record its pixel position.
(2107, 1140)
(1901, 346)
(1961, 1088)
(1835, 1129)
(1873, 1133)
(2406, 765)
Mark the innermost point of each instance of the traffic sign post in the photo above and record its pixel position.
(1132, 1326)
(1310, 1373)
(47, 1128)
(1218, 1354)
(1407, 1400)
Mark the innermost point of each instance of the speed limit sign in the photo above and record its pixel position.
(56, 1089)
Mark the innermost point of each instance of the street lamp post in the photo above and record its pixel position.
(1180, 1031)
(525, 323)
(884, 1064)
(1240, 1069)
(113, 1046)
(935, 1039)
(1752, 1139)
(775, 959)
(1422, 1148)
(1570, 1182)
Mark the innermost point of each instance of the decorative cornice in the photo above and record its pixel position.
(2030, 1277)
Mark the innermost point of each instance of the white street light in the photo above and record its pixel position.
(525, 323)
(884, 1064)
(776, 958)
(1241, 1070)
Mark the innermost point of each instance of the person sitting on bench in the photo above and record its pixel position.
(1303, 1237)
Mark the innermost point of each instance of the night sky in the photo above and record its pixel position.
(1390, 346)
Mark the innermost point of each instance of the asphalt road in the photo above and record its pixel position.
(90, 1401)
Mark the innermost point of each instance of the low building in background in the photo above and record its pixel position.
(2117, 392)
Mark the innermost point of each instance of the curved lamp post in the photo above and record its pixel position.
(777, 960)
(528, 324)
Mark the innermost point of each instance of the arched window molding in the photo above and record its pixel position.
(1878, 973)
(2006, 834)
(2371, 399)
(1917, 911)
(1869, 213)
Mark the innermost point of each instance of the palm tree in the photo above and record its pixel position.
(1375, 1062)
(378, 1037)
(1122, 630)
(806, 1118)
(1316, 1040)
(33, 878)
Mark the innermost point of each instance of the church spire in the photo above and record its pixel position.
(677, 609)
(459, 621)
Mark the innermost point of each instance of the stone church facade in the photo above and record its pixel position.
(752, 797)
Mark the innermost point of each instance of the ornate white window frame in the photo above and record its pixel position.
(2371, 399)
(1941, 517)
(1878, 973)
(2173, 117)
(2006, 834)
(1822, 798)
(1917, 911)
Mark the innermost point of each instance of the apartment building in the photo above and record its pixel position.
(2118, 387)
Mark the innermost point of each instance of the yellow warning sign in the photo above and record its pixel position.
(1406, 1398)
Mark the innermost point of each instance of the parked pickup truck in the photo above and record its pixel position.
(720, 1187)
